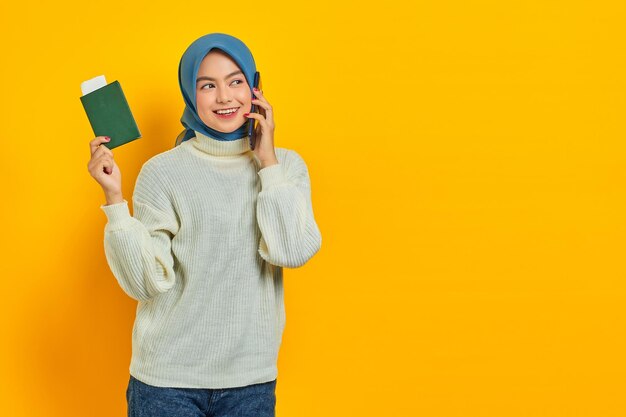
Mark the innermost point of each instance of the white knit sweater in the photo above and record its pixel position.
(203, 255)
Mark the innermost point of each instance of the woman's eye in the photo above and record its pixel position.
(234, 81)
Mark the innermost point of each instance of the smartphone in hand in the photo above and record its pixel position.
(251, 124)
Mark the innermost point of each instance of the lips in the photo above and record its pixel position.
(228, 115)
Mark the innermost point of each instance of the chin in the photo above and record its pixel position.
(222, 130)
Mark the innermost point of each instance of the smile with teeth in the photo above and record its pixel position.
(226, 112)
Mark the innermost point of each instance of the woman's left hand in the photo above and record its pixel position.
(264, 146)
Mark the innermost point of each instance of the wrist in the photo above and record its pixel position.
(113, 198)
(269, 162)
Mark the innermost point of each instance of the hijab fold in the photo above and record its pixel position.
(188, 72)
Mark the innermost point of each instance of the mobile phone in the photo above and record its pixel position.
(251, 124)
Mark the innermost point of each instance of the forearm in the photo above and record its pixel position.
(290, 235)
(139, 256)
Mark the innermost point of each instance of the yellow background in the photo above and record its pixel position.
(467, 165)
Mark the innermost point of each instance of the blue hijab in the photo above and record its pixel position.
(188, 71)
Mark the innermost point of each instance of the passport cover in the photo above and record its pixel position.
(109, 115)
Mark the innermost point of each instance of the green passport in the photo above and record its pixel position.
(109, 115)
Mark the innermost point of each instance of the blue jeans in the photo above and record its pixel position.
(257, 400)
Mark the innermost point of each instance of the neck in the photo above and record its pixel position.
(216, 147)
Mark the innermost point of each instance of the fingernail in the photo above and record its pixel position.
(107, 138)
(246, 114)
(255, 89)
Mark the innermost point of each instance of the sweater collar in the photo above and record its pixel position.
(216, 147)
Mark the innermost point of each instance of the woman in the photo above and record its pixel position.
(214, 224)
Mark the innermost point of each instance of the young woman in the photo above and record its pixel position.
(214, 224)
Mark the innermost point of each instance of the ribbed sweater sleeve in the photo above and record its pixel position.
(138, 249)
(289, 234)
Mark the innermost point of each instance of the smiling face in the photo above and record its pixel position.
(221, 85)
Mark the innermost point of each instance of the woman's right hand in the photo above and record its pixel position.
(104, 170)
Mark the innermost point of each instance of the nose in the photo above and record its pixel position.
(224, 96)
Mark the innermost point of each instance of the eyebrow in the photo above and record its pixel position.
(213, 79)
